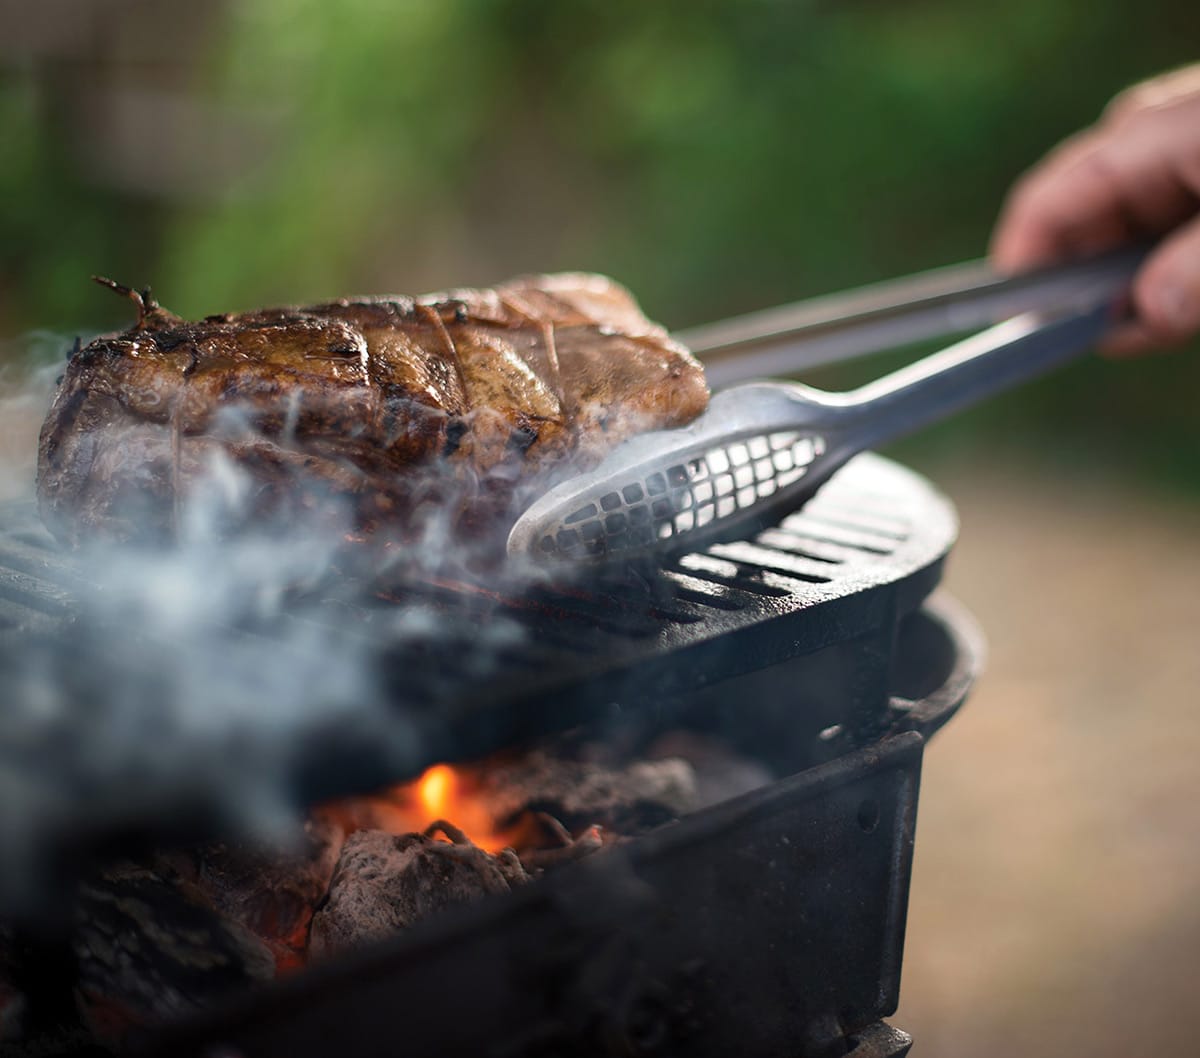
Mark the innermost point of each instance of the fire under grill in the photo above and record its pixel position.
(769, 924)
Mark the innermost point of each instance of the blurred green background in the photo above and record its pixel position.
(715, 156)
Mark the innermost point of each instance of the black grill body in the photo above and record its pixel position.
(770, 924)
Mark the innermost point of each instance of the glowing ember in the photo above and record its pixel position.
(443, 792)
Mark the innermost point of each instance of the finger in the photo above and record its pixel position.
(1166, 292)
(1096, 191)
(1033, 225)
(1133, 339)
(1163, 90)
(1128, 336)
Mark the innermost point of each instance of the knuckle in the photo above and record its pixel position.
(1096, 166)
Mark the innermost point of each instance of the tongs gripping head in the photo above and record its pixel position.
(715, 479)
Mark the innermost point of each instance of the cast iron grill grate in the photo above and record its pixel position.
(849, 538)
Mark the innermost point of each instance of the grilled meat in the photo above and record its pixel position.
(450, 405)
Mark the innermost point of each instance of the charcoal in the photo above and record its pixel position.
(270, 890)
(582, 793)
(150, 947)
(386, 882)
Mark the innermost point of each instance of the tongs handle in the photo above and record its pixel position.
(970, 371)
(782, 341)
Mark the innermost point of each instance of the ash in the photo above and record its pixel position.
(385, 882)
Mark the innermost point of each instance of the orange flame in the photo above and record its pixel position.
(442, 792)
(435, 789)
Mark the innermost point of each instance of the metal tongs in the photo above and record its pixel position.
(763, 448)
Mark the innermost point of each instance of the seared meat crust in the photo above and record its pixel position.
(452, 403)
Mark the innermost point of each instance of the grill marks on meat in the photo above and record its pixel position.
(457, 400)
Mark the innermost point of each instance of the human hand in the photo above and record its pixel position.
(1134, 174)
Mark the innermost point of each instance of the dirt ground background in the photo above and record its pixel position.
(1054, 906)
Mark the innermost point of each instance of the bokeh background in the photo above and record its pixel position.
(718, 156)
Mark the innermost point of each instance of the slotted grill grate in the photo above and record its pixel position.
(873, 525)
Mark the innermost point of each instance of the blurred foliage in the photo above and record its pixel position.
(716, 155)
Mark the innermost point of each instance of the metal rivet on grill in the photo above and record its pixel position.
(568, 539)
(584, 512)
(656, 484)
(663, 509)
(610, 502)
(616, 523)
(632, 493)
(677, 476)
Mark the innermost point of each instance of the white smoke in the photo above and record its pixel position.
(196, 672)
